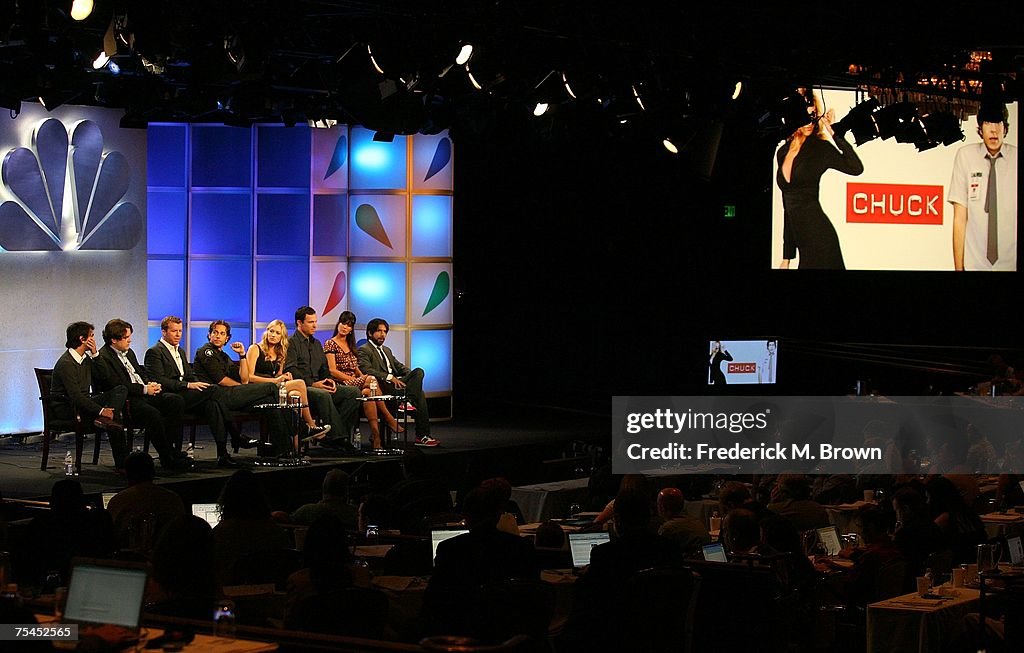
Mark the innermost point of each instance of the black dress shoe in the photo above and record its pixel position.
(227, 462)
(176, 465)
(244, 443)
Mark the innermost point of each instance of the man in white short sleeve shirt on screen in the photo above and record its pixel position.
(985, 214)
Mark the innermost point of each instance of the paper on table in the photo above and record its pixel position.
(396, 583)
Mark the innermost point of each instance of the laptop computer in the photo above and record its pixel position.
(439, 535)
(106, 592)
(829, 538)
(580, 545)
(209, 512)
(1015, 551)
(107, 496)
(714, 552)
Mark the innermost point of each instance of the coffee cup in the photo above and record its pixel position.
(959, 574)
(923, 585)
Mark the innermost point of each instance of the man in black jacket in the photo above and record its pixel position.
(152, 409)
(72, 389)
(169, 365)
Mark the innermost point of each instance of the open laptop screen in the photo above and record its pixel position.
(440, 535)
(105, 592)
(210, 512)
(714, 552)
(1016, 551)
(580, 545)
(829, 537)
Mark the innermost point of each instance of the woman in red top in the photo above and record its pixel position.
(344, 365)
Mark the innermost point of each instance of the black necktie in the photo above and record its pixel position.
(992, 208)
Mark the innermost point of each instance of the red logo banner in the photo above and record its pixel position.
(893, 203)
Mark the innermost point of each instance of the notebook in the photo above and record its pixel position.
(1016, 551)
(105, 592)
(580, 545)
(829, 538)
(440, 535)
(714, 552)
(209, 512)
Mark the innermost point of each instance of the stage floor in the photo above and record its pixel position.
(523, 443)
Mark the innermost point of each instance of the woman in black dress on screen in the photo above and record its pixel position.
(802, 160)
(715, 363)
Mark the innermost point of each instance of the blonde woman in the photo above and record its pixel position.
(264, 363)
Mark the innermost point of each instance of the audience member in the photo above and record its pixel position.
(72, 390)
(791, 498)
(981, 455)
(511, 515)
(483, 556)
(141, 511)
(916, 536)
(246, 527)
(962, 529)
(875, 563)
(67, 530)
(688, 532)
(334, 503)
(158, 412)
(419, 494)
(184, 571)
(394, 376)
(740, 532)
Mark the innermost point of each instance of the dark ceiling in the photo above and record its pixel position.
(239, 61)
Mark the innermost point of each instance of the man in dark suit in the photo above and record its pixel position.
(158, 413)
(378, 360)
(72, 389)
(484, 556)
(335, 404)
(169, 365)
(214, 366)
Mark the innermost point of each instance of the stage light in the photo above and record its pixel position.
(943, 127)
(465, 54)
(113, 68)
(568, 89)
(894, 119)
(80, 9)
(737, 90)
(540, 109)
(860, 121)
(100, 61)
(373, 61)
(670, 146)
(472, 80)
(636, 96)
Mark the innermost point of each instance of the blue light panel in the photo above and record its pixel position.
(221, 156)
(432, 225)
(432, 350)
(221, 223)
(330, 232)
(281, 287)
(167, 215)
(221, 290)
(282, 224)
(283, 156)
(166, 155)
(377, 290)
(165, 289)
(376, 165)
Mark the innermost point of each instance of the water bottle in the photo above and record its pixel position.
(282, 394)
(69, 465)
(357, 440)
(931, 578)
(716, 522)
(374, 388)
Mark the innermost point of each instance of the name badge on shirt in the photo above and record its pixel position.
(974, 187)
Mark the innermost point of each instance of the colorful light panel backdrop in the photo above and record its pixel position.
(249, 224)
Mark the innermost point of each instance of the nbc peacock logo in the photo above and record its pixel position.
(66, 193)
